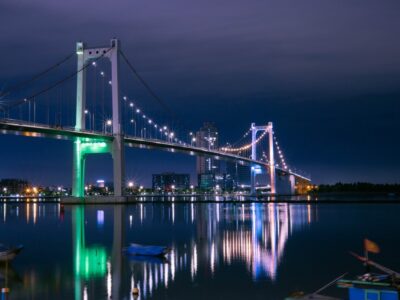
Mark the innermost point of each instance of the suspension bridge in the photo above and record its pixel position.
(93, 131)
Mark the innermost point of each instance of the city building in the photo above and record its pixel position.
(13, 186)
(223, 182)
(240, 174)
(207, 167)
(207, 137)
(171, 181)
(100, 183)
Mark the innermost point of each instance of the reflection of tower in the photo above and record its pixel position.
(207, 137)
(117, 265)
(203, 236)
(262, 246)
(89, 262)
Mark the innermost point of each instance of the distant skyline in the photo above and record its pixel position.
(327, 73)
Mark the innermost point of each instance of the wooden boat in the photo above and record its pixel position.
(9, 253)
(146, 250)
(372, 285)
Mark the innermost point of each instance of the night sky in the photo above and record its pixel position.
(327, 73)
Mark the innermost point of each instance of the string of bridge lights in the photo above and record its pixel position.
(245, 147)
(171, 135)
(264, 157)
(280, 154)
(163, 129)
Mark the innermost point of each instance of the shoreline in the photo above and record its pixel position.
(344, 198)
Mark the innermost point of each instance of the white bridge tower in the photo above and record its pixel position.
(83, 147)
(269, 129)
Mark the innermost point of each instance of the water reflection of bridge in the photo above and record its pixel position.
(254, 235)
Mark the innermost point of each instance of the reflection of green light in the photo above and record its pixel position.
(89, 261)
(92, 262)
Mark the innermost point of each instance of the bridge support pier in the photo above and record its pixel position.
(118, 155)
(78, 172)
(82, 148)
(292, 180)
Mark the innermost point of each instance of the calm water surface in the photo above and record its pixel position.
(220, 251)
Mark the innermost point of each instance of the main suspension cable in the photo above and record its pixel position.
(21, 101)
(147, 86)
(34, 78)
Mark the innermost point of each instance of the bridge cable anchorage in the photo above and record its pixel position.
(57, 83)
(245, 147)
(164, 130)
(34, 78)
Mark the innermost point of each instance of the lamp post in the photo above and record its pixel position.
(108, 124)
(150, 121)
(143, 133)
(133, 122)
(91, 121)
(190, 136)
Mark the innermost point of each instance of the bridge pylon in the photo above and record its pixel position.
(269, 129)
(84, 147)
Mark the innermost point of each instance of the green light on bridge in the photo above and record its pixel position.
(83, 147)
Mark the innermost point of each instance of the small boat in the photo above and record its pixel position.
(370, 285)
(9, 253)
(146, 250)
(385, 285)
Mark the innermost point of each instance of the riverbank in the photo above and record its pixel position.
(322, 198)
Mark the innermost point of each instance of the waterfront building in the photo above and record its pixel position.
(223, 182)
(13, 186)
(240, 174)
(171, 181)
(207, 137)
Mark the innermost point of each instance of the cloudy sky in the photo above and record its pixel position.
(326, 72)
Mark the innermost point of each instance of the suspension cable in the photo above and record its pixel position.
(245, 147)
(34, 78)
(147, 86)
(21, 101)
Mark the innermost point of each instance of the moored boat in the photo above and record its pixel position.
(9, 253)
(372, 286)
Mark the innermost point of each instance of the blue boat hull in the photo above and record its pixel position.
(142, 250)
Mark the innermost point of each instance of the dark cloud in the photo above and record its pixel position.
(326, 72)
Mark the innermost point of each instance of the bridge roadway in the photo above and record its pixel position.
(11, 126)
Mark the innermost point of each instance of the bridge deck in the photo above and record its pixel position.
(9, 126)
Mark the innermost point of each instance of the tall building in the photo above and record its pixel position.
(240, 174)
(207, 137)
(171, 181)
